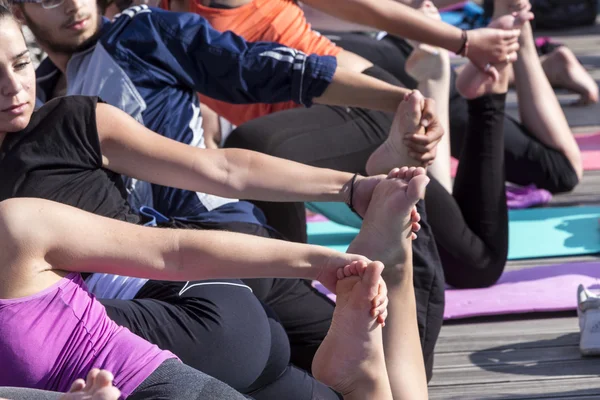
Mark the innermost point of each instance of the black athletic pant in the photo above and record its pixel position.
(237, 335)
(343, 138)
(471, 225)
(527, 160)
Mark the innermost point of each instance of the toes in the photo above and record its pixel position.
(410, 173)
(372, 277)
(419, 171)
(411, 110)
(394, 173)
(416, 188)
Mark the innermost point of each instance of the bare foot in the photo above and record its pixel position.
(394, 152)
(472, 82)
(427, 62)
(506, 7)
(386, 230)
(564, 71)
(98, 386)
(351, 356)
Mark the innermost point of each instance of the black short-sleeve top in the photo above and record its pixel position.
(58, 157)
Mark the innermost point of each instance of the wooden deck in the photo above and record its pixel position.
(534, 356)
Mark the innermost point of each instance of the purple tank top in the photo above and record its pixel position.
(56, 336)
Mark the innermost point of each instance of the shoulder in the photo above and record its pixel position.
(15, 220)
(67, 109)
(142, 19)
(68, 103)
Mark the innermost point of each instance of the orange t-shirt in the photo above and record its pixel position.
(280, 21)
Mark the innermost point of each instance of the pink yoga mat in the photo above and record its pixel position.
(590, 151)
(537, 289)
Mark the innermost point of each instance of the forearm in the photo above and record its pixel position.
(395, 18)
(71, 239)
(221, 255)
(354, 89)
(256, 176)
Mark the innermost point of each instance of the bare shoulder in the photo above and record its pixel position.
(22, 220)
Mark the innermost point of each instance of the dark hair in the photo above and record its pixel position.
(5, 10)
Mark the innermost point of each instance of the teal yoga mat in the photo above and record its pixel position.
(553, 232)
(533, 233)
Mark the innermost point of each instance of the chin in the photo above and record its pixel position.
(17, 124)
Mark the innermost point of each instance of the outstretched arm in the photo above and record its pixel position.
(226, 67)
(485, 45)
(69, 239)
(130, 149)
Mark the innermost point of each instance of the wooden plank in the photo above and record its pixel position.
(497, 342)
(521, 264)
(506, 356)
(515, 373)
(506, 328)
(557, 389)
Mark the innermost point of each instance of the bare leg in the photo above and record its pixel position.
(564, 70)
(351, 358)
(430, 67)
(98, 386)
(539, 108)
(385, 236)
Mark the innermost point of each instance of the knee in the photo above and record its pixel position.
(252, 136)
(564, 179)
(478, 274)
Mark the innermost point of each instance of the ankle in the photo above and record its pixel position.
(398, 275)
(374, 384)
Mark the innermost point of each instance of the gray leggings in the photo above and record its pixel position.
(171, 380)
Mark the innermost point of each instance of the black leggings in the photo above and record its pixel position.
(343, 138)
(527, 159)
(245, 338)
(471, 225)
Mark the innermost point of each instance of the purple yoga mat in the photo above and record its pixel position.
(537, 289)
(589, 144)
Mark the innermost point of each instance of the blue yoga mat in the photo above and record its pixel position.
(553, 232)
(533, 233)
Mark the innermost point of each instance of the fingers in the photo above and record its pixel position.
(424, 143)
(415, 217)
(428, 115)
(91, 378)
(381, 307)
(355, 268)
(381, 303)
(381, 319)
(510, 35)
(77, 386)
(492, 72)
(103, 379)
